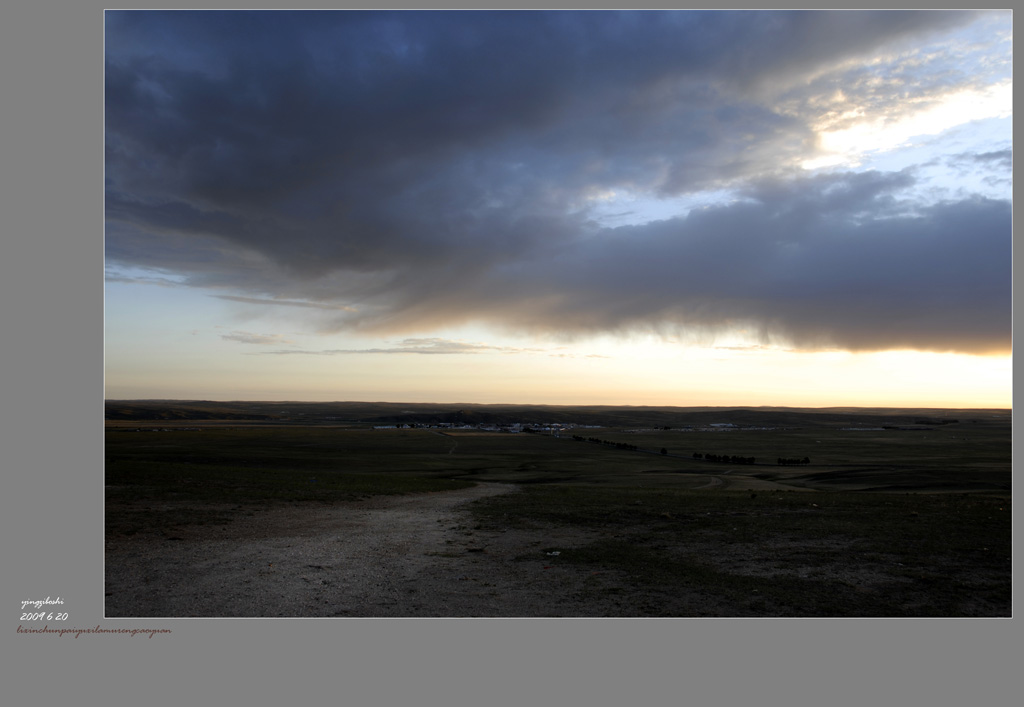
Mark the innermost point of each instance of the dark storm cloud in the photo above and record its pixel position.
(436, 168)
(830, 262)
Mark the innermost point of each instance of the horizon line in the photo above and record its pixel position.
(569, 405)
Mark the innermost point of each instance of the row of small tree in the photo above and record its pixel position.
(617, 445)
(724, 458)
(733, 459)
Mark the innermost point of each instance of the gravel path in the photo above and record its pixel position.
(401, 556)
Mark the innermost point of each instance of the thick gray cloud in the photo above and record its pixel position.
(429, 346)
(246, 337)
(411, 170)
(825, 262)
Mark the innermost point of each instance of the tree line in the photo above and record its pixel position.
(729, 459)
(617, 445)
(723, 458)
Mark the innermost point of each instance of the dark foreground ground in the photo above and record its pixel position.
(909, 520)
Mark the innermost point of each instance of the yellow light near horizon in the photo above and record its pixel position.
(661, 373)
(944, 379)
(627, 370)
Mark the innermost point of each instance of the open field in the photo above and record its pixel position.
(888, 513)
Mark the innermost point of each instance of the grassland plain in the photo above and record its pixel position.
(895, 514)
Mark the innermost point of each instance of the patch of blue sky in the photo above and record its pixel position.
(117, 273)
(972, 158)
(137, 308)
(623, 208)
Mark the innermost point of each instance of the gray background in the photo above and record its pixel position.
(51, 425)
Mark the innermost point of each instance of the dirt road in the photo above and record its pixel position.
(401, 556)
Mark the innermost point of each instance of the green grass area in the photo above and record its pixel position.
(208, 476)
(218, 483)
(522, 458)
(781, 553)
(278, 461)
(956, 457)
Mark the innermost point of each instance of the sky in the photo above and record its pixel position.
(796, 208)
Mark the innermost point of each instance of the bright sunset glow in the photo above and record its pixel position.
(884, 133)
(560, 207)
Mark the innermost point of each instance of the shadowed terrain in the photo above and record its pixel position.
(620, 511)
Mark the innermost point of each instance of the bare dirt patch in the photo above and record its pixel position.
(405, 556)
